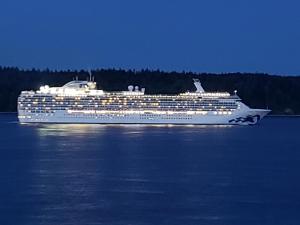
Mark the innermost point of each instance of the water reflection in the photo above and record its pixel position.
(68, 129)
(143, 174)
(85, 129)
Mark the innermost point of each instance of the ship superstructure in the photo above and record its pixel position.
(80, 102)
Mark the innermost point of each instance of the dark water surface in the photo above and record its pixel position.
(97, 174)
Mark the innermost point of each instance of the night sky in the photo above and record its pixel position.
(191, 35)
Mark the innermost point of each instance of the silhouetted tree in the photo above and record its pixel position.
(279, 93)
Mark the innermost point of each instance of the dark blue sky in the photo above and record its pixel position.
(191, 35)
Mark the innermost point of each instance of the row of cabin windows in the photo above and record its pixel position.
(157, 105)
(123, 100)
(128, 108)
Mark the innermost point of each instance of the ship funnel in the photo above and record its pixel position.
(198, 86)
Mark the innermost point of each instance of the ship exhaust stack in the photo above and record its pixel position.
(198, 86)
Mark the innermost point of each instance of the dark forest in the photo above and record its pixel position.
(281, 94)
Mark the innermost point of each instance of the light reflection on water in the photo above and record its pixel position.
(82, 129)
(149, 174)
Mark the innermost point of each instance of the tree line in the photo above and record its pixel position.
(281, 94)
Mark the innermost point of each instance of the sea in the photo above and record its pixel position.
(142, 174)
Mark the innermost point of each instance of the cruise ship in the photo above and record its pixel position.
(81, 102)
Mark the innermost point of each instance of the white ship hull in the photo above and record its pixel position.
(240, 117)
(80, 102)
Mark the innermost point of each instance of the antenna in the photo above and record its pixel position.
(90, 73)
